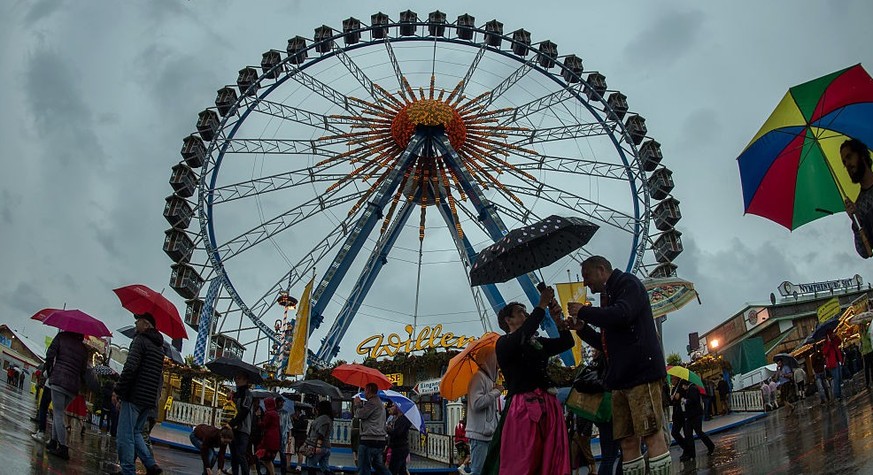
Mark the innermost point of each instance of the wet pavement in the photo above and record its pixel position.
(836, 439)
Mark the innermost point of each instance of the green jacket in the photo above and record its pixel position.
(866, 346)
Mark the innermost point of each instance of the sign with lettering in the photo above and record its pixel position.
(828, 310)
(431, 386)
(395, 378)
(787, 288)
(428, 337)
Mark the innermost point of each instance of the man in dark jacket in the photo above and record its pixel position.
(68, 359)
(241, 425)
(635, 362)
(693, 420)
(138, 388)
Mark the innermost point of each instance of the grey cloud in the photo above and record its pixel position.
(42, 9)
(669, 36)
(25, 298)
(8, 202)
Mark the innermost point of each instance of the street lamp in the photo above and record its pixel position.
(713, 345)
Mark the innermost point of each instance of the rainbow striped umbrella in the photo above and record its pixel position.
(791, 171)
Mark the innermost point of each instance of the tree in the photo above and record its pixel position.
(673, 359)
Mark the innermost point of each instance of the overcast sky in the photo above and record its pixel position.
(98, 95)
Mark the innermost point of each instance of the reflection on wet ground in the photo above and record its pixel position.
(837, 438)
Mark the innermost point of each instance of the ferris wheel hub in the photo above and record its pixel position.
(428, 112)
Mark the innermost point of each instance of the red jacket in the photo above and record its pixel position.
(270, 426)
(832, 352)
(461, 433)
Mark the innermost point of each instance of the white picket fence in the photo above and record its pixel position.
(432, 446)
(747, 401)
(193, 414)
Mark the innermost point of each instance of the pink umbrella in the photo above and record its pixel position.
(40, 316)
(77, 321)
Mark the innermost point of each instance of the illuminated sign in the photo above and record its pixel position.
(428, 337)
(395, 378)
(787, 288)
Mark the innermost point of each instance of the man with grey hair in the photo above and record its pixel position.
(635, 362)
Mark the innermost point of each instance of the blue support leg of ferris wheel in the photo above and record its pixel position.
(496, 229)
(378, 258)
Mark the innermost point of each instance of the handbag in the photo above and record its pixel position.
(588, 381)
(307, 449)
(593, 407)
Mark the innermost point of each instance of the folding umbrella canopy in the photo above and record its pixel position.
(42, 314)
(530, 248)
(823, 328)
(669, 294)
(463, 366)
(791, 171)
(682, 372)
(359, 375)
(103, 370)
(169, 350)
(140, 299)
(264, 393)
(77, 321)
(786, 359)
(407, 407)
(230, 367)
(315, 386)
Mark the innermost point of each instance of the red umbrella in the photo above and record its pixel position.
(140, 299)
(360, 375)
(40, 316)
(77, 321)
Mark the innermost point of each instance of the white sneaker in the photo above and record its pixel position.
(462, 471)
(39, 436)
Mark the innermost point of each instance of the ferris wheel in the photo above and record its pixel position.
(411, 141)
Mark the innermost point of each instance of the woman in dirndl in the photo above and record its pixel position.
(532, 435)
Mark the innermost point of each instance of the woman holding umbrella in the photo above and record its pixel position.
(68, 358)
(541, 446)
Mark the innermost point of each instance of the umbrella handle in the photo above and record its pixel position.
(863, 235)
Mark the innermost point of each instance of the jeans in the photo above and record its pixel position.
(398, 460)
(238, 450)
(837, 381)
(45, 399)
(198, 444)
(283, 459)
(478, 451)
(608, 451)
(321, 461)
(823, 387)
(60, 401)
(129, 441)
(371, 456)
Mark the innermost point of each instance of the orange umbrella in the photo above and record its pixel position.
(359, 375)
(463, 366)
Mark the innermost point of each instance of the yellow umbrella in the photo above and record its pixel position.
(463, 366)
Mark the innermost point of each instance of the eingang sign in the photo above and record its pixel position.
(378, 345)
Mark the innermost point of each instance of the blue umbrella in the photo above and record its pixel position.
(407, 407)
(823, 328)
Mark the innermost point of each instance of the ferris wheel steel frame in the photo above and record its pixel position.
(255, 100)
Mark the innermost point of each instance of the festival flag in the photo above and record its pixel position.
(297, 356)
(572, 292)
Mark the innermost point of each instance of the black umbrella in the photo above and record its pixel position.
(230, 367)
(823, 328)
(787, 360)
(530, 248)
(264, 393)
(169, 351)
(315, 386)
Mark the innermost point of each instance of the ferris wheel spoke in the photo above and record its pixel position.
(510, 81)
(405, 89)
(263, 185)
(552, 134)
(542, 103)
(459, 91)
(276, 225)
(561, 164)
(324, 90)
(374, 90)
(578, 204)
(281, 146)
(295, 114)
(299, 271)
